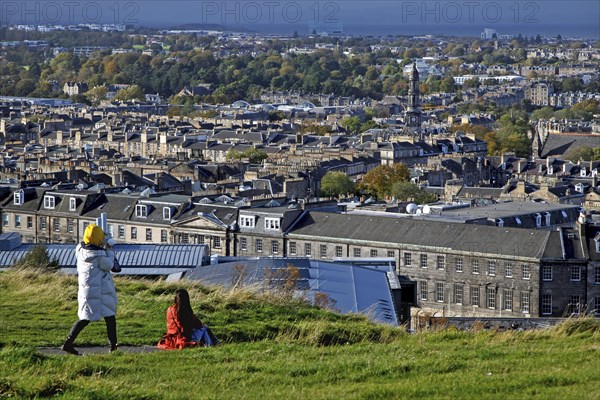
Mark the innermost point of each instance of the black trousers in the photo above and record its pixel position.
(111, 328)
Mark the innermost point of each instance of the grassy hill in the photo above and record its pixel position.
(275, 347)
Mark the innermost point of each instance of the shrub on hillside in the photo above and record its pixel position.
(37, 258)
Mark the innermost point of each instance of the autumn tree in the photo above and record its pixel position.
(379, 181)
(336, 184)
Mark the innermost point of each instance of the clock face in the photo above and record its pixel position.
(413, 119)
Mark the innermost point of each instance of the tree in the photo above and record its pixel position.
(336, 184)
(408, 191)
(133, 92)
(38, 258)
(582, 153)
(378, 181)
(97, 94)
(351, 124)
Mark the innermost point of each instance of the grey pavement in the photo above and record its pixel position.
(98, 350)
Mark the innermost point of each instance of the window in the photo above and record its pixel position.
(458, 264)
(423, 290)
(84, 225)
(491, 298)
(148, 234)
(546, 272)
(166, 212)
(525, 302)
(259, 245)
(338, 251)
(525, 274)
(216, 242)
(492, 267)
(293, 248)
(200, 239)
(357, 252)
(307, 249)
(458, 293)
(439, 292)
(185, 238)
(70, 225)
(508, 269)
(508, 299)
(133, 233)
(538, 220)
(407, 259)
(272, 223)
(244, 244)
(5, 220)
(141, 211)
(56, 225)
(391, 253)
(373, 253)
(111, 230)
(72, 204)
(441, 262)
(323, 251)
(597, 305)
(475, 266)
(423, 261)
(546, 304)
(597, 275)
(575, 273)
(18, 198)
(475, 296)
(274, 247)
(29, 222)
(17, 221)
(121, 230)
(163, 236)
(247, 221)
(575, 304)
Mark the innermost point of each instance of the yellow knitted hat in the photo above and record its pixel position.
(93, 235)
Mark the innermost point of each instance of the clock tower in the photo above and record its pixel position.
(413, 112)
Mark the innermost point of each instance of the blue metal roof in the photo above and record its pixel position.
(349, 288)
(153, 259)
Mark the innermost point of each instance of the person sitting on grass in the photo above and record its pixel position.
(184, 329)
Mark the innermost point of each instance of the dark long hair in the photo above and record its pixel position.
(185, 314)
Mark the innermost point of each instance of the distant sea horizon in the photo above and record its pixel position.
(466, 30)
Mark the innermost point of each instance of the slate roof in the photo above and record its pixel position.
(393, 230)
(558, 144)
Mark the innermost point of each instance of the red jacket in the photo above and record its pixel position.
(175, 338)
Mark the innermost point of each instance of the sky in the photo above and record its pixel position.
(461, 17)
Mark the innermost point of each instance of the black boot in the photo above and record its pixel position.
(68, 346)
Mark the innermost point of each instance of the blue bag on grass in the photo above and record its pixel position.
(205, 336)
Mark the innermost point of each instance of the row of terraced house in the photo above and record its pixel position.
(446, 268)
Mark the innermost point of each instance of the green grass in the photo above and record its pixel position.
(277, 348)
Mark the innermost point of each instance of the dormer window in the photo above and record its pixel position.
(18, 198)
(272, 223)
(583, 172)
(72, 204)
(247, 221)
(597, 242)
(500, 222)
(538, 220)
(141, 211)
(548, 220)
(49, 202)
(166, 212)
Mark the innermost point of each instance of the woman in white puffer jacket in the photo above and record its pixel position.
(97, 295)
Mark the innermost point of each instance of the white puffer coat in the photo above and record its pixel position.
(97, 295)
